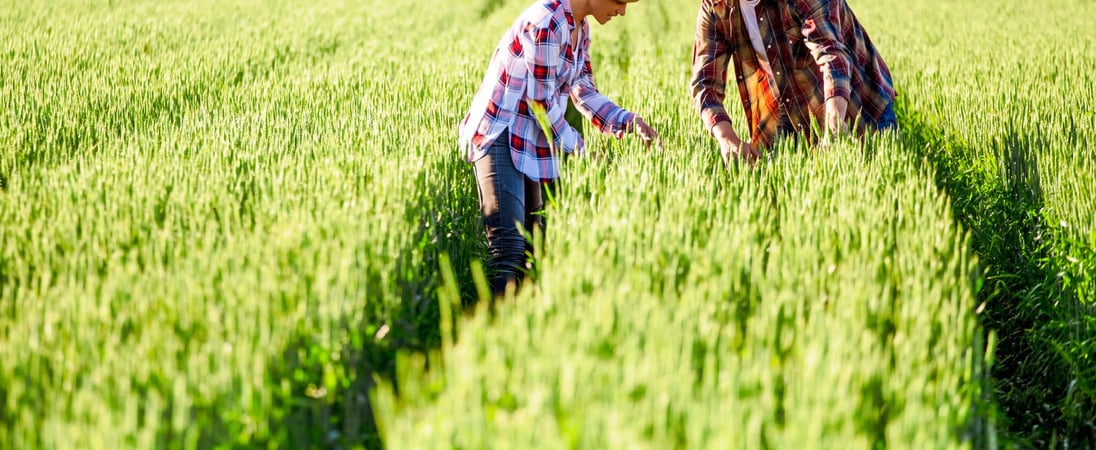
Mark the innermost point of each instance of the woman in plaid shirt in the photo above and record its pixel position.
(541, 61)
(799, 64)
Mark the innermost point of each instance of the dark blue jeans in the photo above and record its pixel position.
(888, 121)
(507, 198)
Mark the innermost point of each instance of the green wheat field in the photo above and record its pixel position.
(246, 224)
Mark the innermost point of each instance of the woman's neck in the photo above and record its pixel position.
(580, 9)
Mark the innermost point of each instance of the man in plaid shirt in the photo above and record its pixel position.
(800, 64)
(541, 61)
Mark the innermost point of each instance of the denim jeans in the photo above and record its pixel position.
(888, 121)
(507, 198)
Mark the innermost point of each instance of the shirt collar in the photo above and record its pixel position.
(568, 12)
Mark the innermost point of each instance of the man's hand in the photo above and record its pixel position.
(645, 133)
(836, 109)
(738, 149)
(733, 148)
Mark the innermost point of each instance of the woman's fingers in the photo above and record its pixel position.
(646, 133)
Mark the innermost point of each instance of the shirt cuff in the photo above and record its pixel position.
(625, 124)
(580, 147)
(838, 89)
(713, 116)
(573, 143)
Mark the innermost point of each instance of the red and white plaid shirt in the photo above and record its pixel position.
(536, 62)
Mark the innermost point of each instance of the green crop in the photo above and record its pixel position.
(248, 225)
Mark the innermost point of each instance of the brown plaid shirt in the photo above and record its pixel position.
(817, 50)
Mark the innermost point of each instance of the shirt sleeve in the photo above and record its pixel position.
(710, 56)
(824, 37)
(541, 55)
(602, 112)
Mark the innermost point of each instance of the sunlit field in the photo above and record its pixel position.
(248, 225)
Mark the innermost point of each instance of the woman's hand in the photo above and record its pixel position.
(646, 134)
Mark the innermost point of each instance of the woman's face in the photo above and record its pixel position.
(604, 10)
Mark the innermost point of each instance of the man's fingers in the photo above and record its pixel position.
(746, 153)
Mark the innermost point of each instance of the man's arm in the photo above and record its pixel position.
(824, 37)
(711, 52)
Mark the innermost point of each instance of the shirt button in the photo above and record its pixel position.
(778, 74)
